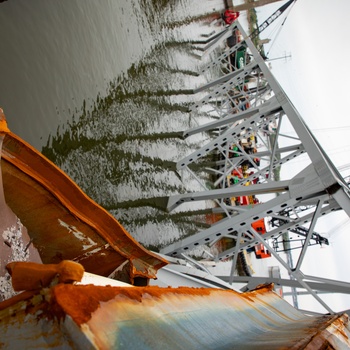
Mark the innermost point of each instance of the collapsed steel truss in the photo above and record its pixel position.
(251, 113)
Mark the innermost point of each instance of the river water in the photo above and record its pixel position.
(102, 88)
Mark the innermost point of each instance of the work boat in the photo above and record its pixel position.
(73, 278)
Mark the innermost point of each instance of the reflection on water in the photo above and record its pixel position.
(56, 54)
(123, 152)
(121, 146)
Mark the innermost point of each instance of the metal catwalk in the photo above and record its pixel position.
(259, 135)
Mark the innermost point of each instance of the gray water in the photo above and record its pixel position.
(102, 88)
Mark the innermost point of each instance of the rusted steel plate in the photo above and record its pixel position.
(62, 221)
(94, 317)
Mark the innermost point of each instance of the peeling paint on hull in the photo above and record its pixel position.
(91, 317)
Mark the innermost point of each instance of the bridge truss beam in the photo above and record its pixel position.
(259, 134)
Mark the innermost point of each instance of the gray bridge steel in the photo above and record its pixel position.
(251, 107)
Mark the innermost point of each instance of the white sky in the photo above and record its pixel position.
(316, 77)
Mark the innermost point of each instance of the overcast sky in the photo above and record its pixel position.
(316, 78)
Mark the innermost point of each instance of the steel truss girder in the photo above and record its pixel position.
(230, 135)
(241, 221)
(274, 164)
(319, 186)
(316, 283)
(216, 38)
(224, 84)
(304, 186)
(299, 149)
(300, 185)
(332, 206)
(325, 169)
(226, 54)
(251, 114)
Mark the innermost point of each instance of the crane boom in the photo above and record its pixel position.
(271, 19)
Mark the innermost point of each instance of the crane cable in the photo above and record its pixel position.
(280, 28)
